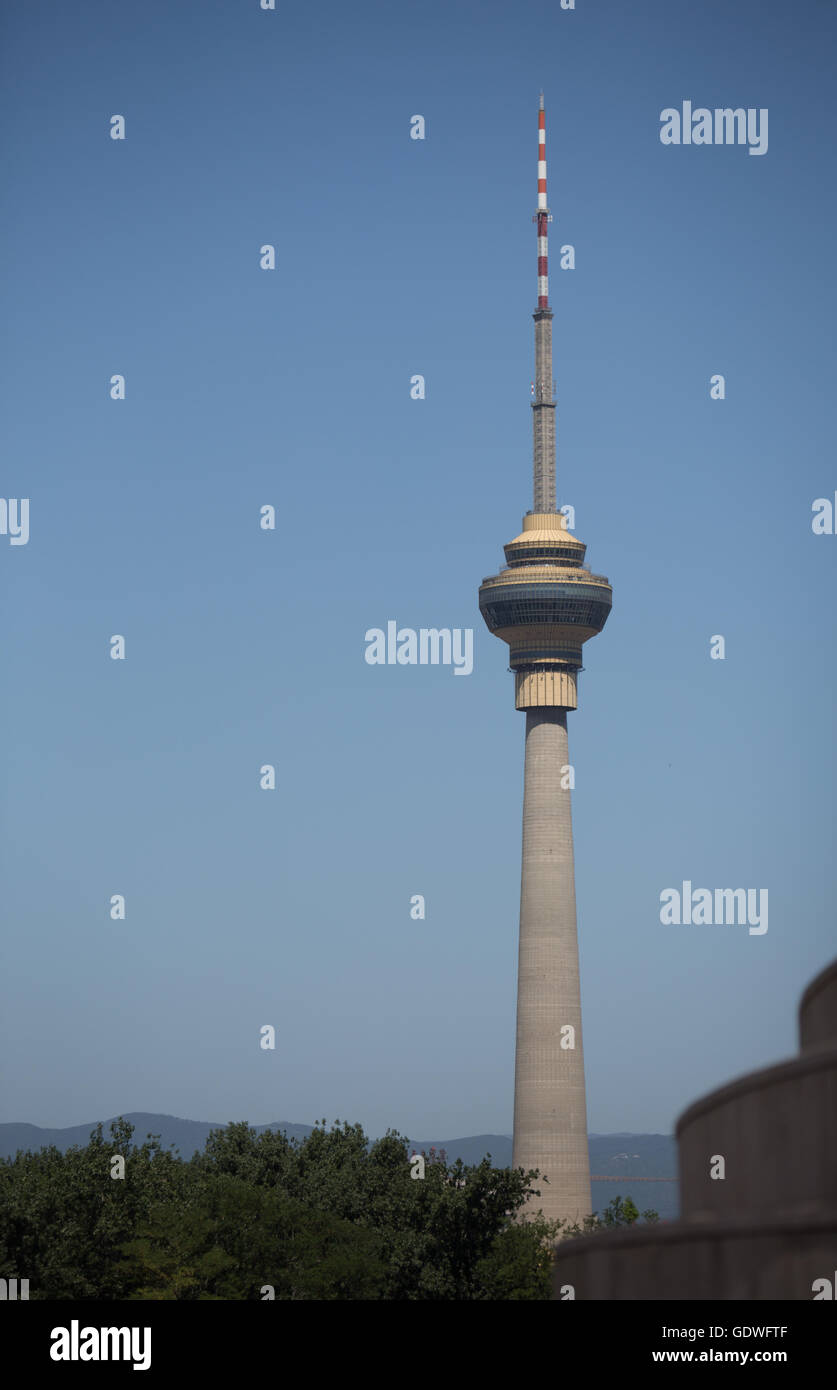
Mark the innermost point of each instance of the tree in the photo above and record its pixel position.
(618, 1212)
(331, 1217)
(63, 1217)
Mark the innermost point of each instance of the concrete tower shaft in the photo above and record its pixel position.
(550, 1109)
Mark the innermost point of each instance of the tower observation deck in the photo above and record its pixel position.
(545, 604)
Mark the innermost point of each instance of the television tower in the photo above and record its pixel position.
(545, 603)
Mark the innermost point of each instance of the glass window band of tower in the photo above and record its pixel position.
(544, 604)
(536, 656)
(520, 554)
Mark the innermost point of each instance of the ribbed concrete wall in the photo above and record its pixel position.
(550, 1109)
(777, 1260)
(776, 1130)
(768, 1228)
(818, 1010)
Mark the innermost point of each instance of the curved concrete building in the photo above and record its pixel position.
(764, 1227)
(546, 604)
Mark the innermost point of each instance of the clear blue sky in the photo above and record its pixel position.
(245, 647)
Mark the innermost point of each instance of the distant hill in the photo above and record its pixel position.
(189, 1136)
(634, 1155)
(618, 1156)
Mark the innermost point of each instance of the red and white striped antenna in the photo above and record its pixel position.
(543, 402)
(543, 212)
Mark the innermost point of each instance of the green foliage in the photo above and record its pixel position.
(63, 1218)
(618, 1212)
(230, 1239)
(331, 1217)
(516, 1267)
